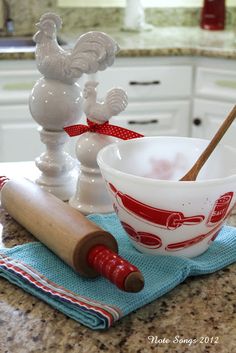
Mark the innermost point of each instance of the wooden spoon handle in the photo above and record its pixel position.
(193, 172)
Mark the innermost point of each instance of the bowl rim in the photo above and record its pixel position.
(172, 183)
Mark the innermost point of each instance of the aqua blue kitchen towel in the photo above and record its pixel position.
(97, 303)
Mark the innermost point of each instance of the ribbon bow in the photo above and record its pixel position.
(104, 129)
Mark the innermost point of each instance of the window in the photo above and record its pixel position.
(146, 3)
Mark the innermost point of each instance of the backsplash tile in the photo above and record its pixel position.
(26, 13)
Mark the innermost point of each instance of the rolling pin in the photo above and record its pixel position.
(88, 249)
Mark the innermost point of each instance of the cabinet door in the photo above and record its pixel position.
(15, 86)
(163, 118)
(207, 118)
(19, 138)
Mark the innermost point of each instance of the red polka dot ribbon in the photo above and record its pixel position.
(3, 181)
(104, 129)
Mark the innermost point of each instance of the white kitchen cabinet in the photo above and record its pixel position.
(208, 116)
(214, 97)
(161, 118)
(178, 96)
(19, 139)
(147, 82)
(216, 83)
(159, 95)
(15, 85)
(19, 136)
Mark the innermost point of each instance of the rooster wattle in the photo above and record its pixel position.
(93, 51)
(114, 103)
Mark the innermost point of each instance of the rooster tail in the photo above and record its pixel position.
(116, 100)
(93, 51)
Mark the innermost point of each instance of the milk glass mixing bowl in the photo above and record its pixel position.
(160, 214)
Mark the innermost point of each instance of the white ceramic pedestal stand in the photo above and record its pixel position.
(59, 174)
(47, 107)
(56, 99)
(91, 195)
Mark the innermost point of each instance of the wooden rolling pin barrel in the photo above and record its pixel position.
(88, 249)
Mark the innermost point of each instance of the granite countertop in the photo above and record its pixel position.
(160, 41)
(200, 307)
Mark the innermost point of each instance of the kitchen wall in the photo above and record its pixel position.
(26, 13)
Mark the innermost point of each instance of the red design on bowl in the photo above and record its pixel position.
(220, 209)
(145, 239)
(161, 218)
(190, 242)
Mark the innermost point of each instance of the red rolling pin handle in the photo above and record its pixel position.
(109, 264)
(114, 268)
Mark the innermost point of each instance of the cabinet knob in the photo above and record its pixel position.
(197, 121)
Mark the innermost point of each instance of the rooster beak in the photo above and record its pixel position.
(117, 48)
(37, 25)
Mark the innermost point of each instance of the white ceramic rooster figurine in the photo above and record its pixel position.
(114, 103)
(93, 51)
(56, 98)
(91, 195)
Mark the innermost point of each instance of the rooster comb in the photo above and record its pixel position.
(53, 17)
(91, 84)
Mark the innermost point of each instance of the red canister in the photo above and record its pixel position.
(213, 15)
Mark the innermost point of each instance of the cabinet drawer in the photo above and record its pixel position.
(19, 142)
(164, 118)
(19, 138)
(216, 83)
(16, 85)
(149, 82)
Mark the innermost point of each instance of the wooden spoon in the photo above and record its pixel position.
(193, 172)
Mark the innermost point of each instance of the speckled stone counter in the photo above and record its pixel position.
(202, 308)
(162, 41)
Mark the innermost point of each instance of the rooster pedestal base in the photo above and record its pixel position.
(91, 195)
(54, 104)
(58, 167)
